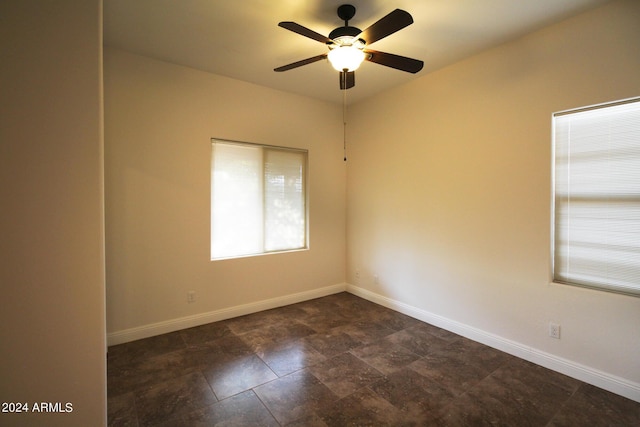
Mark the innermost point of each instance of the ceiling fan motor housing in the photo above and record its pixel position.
(344, 31)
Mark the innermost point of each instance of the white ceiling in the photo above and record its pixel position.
(241, 39)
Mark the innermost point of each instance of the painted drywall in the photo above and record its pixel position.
(159, 119)
(52, 317)
(449, 194)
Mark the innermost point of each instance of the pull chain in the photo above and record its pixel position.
(344, 113)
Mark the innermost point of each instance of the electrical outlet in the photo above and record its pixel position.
(357, 277)
(554, 330)
(191, 296)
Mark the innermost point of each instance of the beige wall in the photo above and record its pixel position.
(159, 119)
(449, 191)
(466, 238)
(52, 339)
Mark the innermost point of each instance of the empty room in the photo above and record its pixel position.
(209, 221)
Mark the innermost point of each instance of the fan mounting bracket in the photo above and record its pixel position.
(346, 12)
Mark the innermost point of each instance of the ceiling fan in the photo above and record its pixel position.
(348, 46)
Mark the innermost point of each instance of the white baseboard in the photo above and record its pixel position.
(146, 331)
(612, 383)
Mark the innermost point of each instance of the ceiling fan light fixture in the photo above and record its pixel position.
(347, 54)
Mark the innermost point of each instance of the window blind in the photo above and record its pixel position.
(258, 199)
(597, 197)
(284, 200)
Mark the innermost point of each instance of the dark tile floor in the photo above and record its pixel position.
(341, 361)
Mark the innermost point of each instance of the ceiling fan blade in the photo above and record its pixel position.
(304, 31)
(394, 21)
(394, 61)
(301, 63)
(348, 81)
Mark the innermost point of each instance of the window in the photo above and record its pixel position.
(258, 199)
(597, 197)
